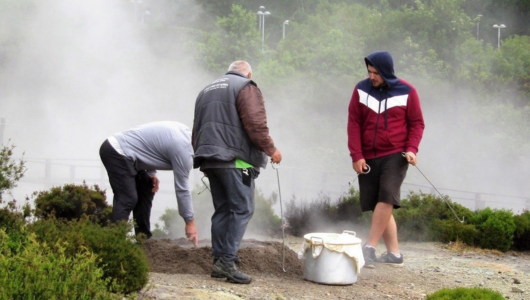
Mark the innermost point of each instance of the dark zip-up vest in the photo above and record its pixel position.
(218, 131)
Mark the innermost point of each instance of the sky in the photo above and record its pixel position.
(86, 71)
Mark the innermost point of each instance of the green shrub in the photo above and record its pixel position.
(11, 218)
(33, 270)
(72, 202)
(496, 229)
(304, 217)
(521, 240)
(348, 208)
(122, 258)
(465, 294)
(263, 222)
(451, 231)
(419, 217)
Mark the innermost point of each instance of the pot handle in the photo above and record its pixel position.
(316, 246)
(349, 232)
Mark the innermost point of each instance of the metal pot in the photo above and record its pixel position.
(332, 258)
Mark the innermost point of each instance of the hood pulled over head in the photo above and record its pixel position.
(383, 62)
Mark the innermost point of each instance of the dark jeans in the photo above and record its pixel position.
(233, 201)
(132, 189)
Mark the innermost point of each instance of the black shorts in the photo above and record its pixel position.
(383, 182)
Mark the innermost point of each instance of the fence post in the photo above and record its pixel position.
(479, 203)
(2, 129)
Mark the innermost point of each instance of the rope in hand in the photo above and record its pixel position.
(276, 167)
(365, 172)
(444, 198)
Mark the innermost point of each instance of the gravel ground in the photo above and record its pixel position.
(181, 272)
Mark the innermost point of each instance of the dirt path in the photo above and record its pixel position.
(183, 273)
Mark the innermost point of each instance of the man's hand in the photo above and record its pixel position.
(191, 233)
(411, 158)
(156, 182)
(276, 157)
(360, 166)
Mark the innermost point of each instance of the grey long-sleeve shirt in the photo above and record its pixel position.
(163, 145)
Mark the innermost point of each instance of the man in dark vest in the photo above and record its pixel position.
(231, 143)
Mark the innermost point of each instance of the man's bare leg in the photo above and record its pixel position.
(390, 236)
(380, 222)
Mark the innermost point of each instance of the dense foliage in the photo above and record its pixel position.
(120, 256)
(73, 202)
(34, 270)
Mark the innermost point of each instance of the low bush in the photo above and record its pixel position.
(496, 229)
(421, 214)
(72, 202)
(446, 231)
(263, 222)
(465, 294)
(33, 270)
(521, 239)
(12, 218)
(121, 256)
(304, 217)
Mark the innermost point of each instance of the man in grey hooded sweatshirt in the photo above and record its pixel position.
(132, 158)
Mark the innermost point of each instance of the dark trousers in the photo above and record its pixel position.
(132, 189)
(233, 200)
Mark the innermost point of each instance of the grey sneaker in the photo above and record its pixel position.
(369, 257)
(230, 270)
(391, 260)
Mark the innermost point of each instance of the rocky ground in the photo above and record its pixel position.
(182, 272)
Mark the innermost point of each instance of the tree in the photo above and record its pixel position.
(512, 66)
(236, 38)
(10, 170)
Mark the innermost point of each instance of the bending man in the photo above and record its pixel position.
(132, 158)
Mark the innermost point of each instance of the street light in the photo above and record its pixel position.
(286, 22)
(499, 27)
(478, 22)
(136, 2)
(263, 14)
(260, 15)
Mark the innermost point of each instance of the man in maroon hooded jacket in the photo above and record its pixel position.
(385, 127)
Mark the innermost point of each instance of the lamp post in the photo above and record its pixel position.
(286, 22)
(478, 22)
(136, 2)
(260, 14)
(263, 14)
(146, 13)
(499, 27)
